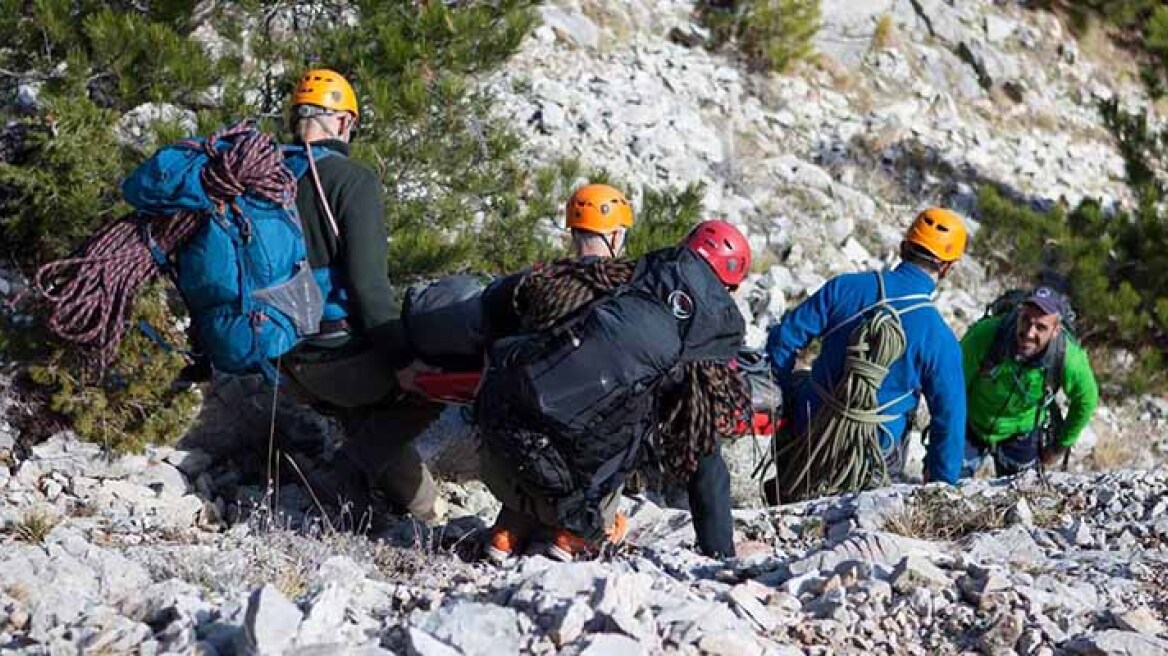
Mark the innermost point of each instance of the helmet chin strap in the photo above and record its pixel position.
(610, 242)
(324, 127)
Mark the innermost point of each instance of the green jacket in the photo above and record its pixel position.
(1004, 401)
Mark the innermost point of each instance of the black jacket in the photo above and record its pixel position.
(359, 253)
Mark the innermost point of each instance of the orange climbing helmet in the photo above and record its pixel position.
(940, 232)
(328, 89)
(598, 208)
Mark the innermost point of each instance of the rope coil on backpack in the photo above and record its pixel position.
(846, 440)
(92, 293)
(711, 397)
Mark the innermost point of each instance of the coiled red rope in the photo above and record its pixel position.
(92, 293)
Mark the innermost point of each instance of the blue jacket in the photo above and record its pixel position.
(931, 363)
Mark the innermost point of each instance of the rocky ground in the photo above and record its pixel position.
(207, 548)
(183, 550)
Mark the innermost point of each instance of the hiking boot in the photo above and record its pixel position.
(508, 536)
(566, 545)
(770, 491)
(619, 529)
(503, 545)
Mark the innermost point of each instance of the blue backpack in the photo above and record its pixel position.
(244, 274)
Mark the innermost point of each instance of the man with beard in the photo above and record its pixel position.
(1015, 365)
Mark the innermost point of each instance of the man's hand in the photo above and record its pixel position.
(407, 376)
(1053, 453)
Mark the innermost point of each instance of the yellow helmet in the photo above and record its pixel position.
(326, 88)
(940, 232)
(598, 208)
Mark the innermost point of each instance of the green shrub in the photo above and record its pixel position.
(64, 182)
(664, 218)
(135, 402)
(1117, 265)
(770, 34)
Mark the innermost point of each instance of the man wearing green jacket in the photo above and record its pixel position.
(1014, 365)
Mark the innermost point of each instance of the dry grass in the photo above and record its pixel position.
(1046, 120)
(34, 525)
(1096, 45)
(606, 17)
(842, 80)
(814, 529)
(18, 592)
(885, 35)
(948, 515)
(764, 261)
(1116, 451)
(938, 514)
(292, 581)
(863, 101)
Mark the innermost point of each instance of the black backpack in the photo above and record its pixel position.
(572, 406)
(445, 322)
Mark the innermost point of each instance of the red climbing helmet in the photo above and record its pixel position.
(724, 248)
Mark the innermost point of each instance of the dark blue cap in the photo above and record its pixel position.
(1049, 301)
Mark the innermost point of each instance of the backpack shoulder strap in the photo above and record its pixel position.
(1000, 347)
(1056, 367)
(296, 159)
(301, 160)
(922, 301)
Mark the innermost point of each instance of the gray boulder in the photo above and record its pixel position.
(1118, 643)
(473, 628)
(270, 623)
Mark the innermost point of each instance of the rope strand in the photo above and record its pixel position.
(92, 293)
(710, 398)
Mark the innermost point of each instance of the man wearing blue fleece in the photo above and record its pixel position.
(932, 358)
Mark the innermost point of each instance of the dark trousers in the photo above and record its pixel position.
(380, 423)
(709, 502)
(1011, 456)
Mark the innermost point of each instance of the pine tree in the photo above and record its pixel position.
(770, 34)
(457, 191)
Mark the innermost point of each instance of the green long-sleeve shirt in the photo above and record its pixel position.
(1004, 401)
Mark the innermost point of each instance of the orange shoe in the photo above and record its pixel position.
(619, 529)
(508, 536)
(502, 545)
(566, 546)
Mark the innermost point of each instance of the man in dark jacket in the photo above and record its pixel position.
(359, 368)
(598, 217)
(711, 330)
